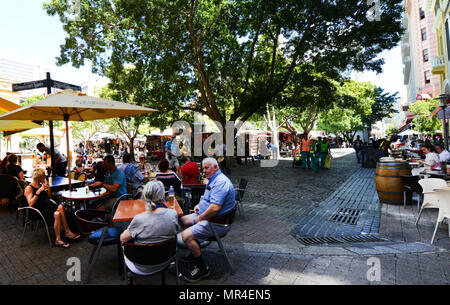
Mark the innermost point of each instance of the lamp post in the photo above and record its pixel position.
(443, 99)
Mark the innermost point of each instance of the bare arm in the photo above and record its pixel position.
(125, 236)
(212, 210)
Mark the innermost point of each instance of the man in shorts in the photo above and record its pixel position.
(218, 199)
(171, 154)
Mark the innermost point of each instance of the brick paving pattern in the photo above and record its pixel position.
(260, 246)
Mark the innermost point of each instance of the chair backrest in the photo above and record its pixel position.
(151, 254)
(72, 175)
(443, 197)
(242, 186)
(225, 219)
(82, 177)
(9, 187)
(431, 184)
(88, 221)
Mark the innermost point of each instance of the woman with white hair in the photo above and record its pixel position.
(156, 224)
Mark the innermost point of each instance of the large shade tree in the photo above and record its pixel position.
(226, 59)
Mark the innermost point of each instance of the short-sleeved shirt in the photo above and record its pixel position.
(117, 177)
(219, 190)
(61, 157)
(171, 146)
(154, 227)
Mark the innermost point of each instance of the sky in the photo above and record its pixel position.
(29, 34)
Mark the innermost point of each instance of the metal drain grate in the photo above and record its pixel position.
(308, 241)
(348, 216)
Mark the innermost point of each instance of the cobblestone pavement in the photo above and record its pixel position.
(260, 247)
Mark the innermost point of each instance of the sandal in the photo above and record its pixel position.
(63, 245)
(75, 237)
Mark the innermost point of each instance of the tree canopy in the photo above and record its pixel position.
(226, 59)
(423, 122)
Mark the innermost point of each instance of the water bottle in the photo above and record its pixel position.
(171, 197)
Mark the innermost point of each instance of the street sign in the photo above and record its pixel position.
(61, 85)
(29, 85)
(45, 83)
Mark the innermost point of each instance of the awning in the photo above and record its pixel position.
(408, 121)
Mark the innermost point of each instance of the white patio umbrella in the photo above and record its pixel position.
(408, 132)
(70, 105)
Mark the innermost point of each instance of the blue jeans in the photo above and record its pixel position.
(358, 155)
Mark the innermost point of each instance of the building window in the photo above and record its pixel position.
(427, 77)
(422, 13)
(424, 34)
(425, 55)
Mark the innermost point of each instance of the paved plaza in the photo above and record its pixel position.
(282, 205)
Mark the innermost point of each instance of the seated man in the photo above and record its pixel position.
(219, 198)
(132, 173)
(115, 183)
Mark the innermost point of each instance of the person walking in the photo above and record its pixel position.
(357, 145)
(305, 148)
(314, 153)
(324, 151)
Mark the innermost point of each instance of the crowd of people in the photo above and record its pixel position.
(315, 152)
(158, 223)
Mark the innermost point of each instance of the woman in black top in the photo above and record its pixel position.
(37, 194)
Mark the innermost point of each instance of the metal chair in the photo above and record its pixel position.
(240, 191)
(191, 196)
(411, 185)
(150, 255)
(32, 215)
(222, 220)
(95, 223)
(9, 189)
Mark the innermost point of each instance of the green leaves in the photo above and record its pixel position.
(221, 57)
(423, 109)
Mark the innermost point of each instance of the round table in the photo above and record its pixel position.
(80, 195)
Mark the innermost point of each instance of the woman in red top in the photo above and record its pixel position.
(189, 172)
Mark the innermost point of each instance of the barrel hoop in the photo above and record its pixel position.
(391, 193)
(389, 176)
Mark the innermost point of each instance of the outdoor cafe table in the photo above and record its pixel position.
(127, 209)
(435, 174)
(59, 183)
(80, 194)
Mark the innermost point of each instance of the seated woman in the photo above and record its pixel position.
(168, 177)
(78, 168)
(189, 172)
(153, 226)
(431, 158)
(143, 166)
(37, 194)
(13, 169)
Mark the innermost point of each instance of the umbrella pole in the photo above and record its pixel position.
(52, 148)
(68, 154)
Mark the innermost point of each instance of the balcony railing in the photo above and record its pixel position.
(438, 64)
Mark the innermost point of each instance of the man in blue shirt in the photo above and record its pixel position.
(218, 199)
(171, 154)
(115, 182)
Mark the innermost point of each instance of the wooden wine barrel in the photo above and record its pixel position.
(388, 180)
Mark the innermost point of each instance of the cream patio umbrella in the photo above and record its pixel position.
(10, 127)
(70, 105)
